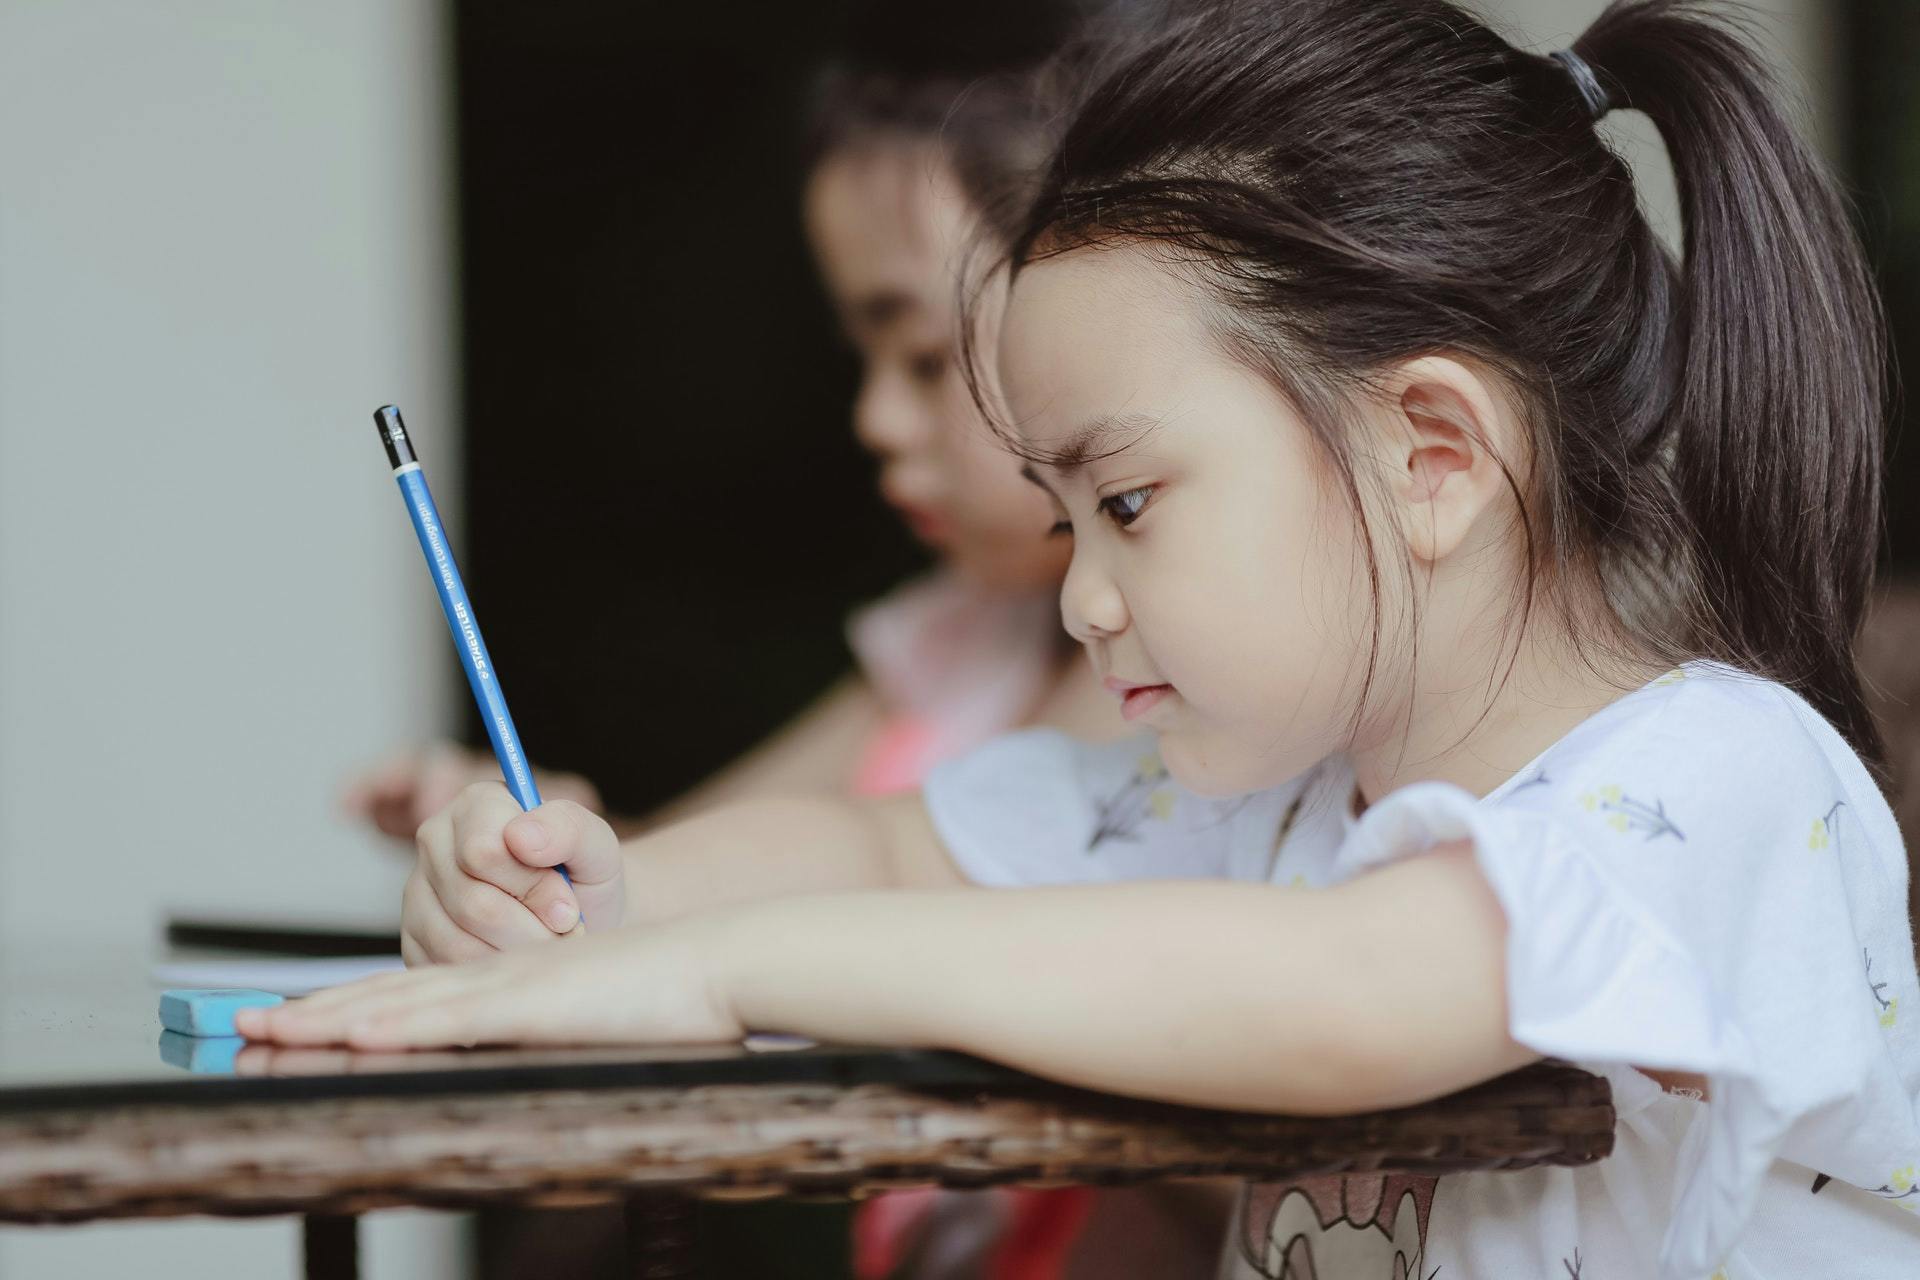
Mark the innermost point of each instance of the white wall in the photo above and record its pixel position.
(224, 239)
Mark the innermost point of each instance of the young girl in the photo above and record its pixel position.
(1487, 578)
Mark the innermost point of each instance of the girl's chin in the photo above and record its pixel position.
(1217, 771)
(1197, 769)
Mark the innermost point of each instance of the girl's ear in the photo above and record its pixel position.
(1445, 425)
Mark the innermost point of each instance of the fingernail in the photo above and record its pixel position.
(561, 916)
(533, 835)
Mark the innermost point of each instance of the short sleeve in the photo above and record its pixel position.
(1707, 882)
(1039, 807)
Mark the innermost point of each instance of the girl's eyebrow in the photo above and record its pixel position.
(1031, 476)
(1090, 441)
(880, 309)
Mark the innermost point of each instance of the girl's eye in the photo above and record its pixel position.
(927, 366)
(1124, 508)
(1060, 529)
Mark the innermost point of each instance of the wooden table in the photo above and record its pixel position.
(330, 1135)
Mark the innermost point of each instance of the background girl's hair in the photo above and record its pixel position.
(1366, 181)
(966, 76)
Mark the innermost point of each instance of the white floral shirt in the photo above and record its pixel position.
(1702, 878)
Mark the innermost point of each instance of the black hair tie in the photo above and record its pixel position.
(1598, 104)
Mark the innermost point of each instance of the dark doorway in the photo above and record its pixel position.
(1882, 48)
(666, 516)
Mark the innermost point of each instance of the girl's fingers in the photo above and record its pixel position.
(613, 988)
(348, 993)
(480, 884)
(382, 782)
(384, 796)
(551, 902)
(445, 942)
(480, 899)
(491, 1004)
(559, 833)
(328, 1017)
(439, 1007)
(471, 838)
(498, 920)
(444, 1024)
(440, 941)
(393, 816)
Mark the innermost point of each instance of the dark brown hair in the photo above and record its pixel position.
(1362, 182)
(964, 76)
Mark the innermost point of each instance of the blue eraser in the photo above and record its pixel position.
(202, 1055)
(209, 1013)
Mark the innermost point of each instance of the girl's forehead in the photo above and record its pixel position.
(1093, 332)
(1112, 349)
(885, 221)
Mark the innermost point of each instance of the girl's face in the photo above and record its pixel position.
(887, 223)
(1217, 582)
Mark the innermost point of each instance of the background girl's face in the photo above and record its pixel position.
(1219, 590)
(888, 222)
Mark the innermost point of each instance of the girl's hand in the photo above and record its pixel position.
(484, 880)
(649, 987)
(402, 792)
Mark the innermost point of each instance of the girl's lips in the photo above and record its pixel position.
(928, 524)
(1143, 700)
(1137, 699)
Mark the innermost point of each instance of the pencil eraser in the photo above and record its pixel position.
(209, 1013)
(202, 1055)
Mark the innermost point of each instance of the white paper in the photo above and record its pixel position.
(281, 977)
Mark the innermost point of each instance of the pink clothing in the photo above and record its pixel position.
(895, 759)
(955, 665)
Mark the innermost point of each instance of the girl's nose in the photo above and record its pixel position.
(887, 419)
(1091, 605)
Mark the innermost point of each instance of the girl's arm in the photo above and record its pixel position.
(812, 754)
(773, 848)
(484, 881)
(1381, 992)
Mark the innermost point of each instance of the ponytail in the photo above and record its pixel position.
(1773, 415)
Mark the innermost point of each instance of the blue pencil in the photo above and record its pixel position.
(481, 677)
